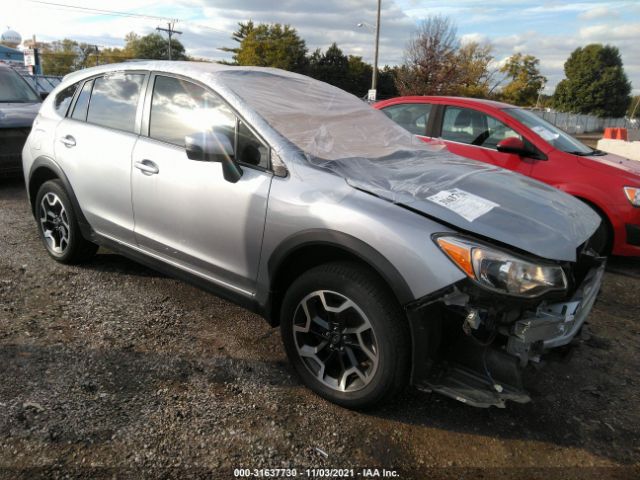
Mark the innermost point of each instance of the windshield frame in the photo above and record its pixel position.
(567, 143)
(27, 95)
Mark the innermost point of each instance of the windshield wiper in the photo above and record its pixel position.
(597, 153)
(580, 154)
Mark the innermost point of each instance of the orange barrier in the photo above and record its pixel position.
(615, 133)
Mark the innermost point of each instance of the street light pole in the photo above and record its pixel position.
(374, 77)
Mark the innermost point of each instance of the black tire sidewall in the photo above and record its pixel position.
(376, 303)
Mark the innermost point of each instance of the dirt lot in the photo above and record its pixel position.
(111, 370)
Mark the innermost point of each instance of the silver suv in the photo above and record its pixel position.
(385, 261)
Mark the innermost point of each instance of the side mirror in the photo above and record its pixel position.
(512, 145)
(214, 147)
(44, 95)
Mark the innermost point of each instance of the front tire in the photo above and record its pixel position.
(58, 225)
(346, 335)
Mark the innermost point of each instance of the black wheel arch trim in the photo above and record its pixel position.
(348, 243)
(44, 162)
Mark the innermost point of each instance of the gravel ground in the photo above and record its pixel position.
(111, 370)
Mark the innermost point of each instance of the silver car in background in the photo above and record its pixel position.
(384, 261)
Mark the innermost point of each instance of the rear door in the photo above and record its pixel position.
(94, 144)
(185, 211)
(474, 134)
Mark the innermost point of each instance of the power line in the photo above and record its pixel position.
(100, 11)
(116, 13)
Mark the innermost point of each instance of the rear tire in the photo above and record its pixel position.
(346, 335)
(58, 225)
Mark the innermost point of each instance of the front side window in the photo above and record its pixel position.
(114, 100)
(410, 116)
(465, 125)
(14, 89)
(180, 108)
(549, 132)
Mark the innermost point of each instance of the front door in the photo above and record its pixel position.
(185, 211)
(474, 134)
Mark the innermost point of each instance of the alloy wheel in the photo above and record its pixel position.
(54, 222)
(335, 341)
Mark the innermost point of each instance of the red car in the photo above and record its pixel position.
(517, 139)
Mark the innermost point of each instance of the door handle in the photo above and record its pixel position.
(68, 141)
(147, 167)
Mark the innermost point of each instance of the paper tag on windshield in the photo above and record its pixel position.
(465, 204)
(548, 135)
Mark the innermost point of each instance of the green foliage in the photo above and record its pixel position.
(526, 80)
(59, 57)
(270, 45)
(596, 83)
(238, 36)
(475, 77)
(634, 107)
(153, 47)
(387, 82)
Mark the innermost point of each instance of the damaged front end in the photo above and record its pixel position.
(473, 340)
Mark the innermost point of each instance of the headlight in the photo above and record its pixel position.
(633, 194)
(501, 271)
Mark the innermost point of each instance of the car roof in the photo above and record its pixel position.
(196, 69)
(461, 101)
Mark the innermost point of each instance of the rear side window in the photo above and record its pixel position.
(180, 108)
(114, 101)
(465, 125)
(63, 99)
(82, 103)
(410, 116)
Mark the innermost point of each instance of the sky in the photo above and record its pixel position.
(548, 29)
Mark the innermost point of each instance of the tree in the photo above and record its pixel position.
(429, 66)
(153, 47)
(475, 75)
(271, 45)
(634, 107)
(331, 66)
(526, 80)
(387, 82)
(359, 75)
(596, 83)
(238, 36)
(437, 63)
(59, 57)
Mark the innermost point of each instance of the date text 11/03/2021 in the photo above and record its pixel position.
(315, 473)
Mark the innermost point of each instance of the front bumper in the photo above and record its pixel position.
(485, 374)
(556, 324)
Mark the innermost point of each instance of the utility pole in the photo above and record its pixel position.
(170, 31)
(97, 52)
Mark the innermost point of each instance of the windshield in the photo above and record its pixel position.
(323, 121)
(13, 89)
(552, 134)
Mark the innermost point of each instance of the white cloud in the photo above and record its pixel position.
(598, 12)
(209, 23)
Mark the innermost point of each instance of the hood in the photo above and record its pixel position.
(478, 198)
(610, 160)
(18, 115)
